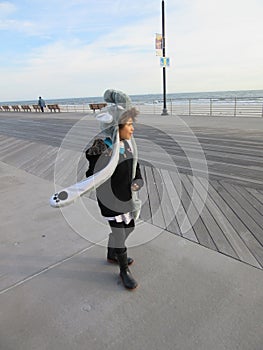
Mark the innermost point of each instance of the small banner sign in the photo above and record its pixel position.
(165, 62)
(158, 44)
(158, 41)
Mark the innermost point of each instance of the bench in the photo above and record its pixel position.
(94, 106)
(16, 108)
(37, 108)
(26, 108)
(6, 108)
(53, 108)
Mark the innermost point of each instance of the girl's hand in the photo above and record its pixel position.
(135, 187)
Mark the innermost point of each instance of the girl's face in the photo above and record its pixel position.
(127, 130)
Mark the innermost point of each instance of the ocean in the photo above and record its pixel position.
(245, 95)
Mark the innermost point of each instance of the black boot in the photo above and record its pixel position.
(126, 276)
(111, 255)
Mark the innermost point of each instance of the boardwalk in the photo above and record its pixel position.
(218, 204)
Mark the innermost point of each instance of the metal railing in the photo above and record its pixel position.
(213, 107)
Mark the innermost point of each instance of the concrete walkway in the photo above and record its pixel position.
(58, 292)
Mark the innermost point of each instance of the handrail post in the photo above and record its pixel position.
(171, 106)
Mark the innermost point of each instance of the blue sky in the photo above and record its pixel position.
(79, 48)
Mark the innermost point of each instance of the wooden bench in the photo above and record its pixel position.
(16, 108)
(26, 108)
(6, 108)
(94, 106)
(37, 108)
(53, 108)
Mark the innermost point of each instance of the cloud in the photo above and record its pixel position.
(217, 45)
(73, 68)
(212, 46)
(8, 21)
(6, 8)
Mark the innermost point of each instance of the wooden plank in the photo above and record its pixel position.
(174, 188)
(257, 194)
(250, 204)
(220, 240)
(169, 214)
(9, 146)
(31, 158)
(227, 205)
(216, 206)
(255, 202)
(66, 165)
(173, 198)
(26, 155)
(145, 214)
(20, 158)
(245, 211)
(233, 153)
(156, 210)
(195, 212)
(46, 168)
(5, 140)
(164, 201)
(12, 157)
(34, 164)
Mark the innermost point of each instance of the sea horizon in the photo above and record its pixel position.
(150, 98)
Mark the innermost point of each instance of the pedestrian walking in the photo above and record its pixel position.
(117, 196)
(41, 103)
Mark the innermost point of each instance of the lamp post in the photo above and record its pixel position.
(164, 112)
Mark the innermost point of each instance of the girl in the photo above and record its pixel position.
(115, 196)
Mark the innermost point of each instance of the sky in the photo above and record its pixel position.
(80, 48)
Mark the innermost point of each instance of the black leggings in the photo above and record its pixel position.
(119, 233)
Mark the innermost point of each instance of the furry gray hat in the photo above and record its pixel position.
(109, 116)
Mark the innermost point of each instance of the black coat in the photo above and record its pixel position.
(114, 196)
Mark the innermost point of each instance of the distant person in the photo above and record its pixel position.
(41, 103)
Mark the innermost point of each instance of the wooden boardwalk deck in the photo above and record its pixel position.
(227, 218)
